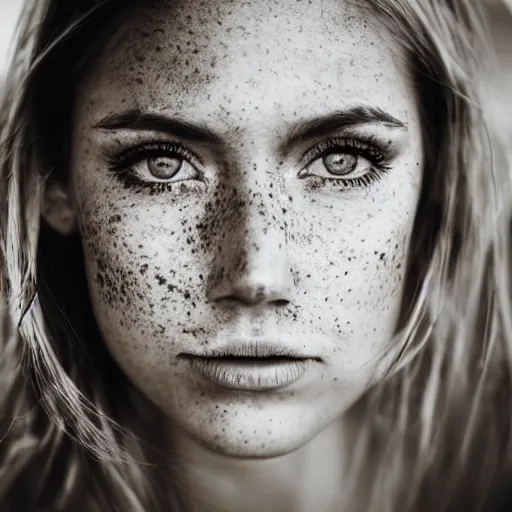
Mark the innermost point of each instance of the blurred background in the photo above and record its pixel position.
(498, 76)
(9, 11)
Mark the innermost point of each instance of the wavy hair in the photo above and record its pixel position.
(437, 428)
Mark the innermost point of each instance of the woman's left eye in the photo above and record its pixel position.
(350, 162)
(339, 164)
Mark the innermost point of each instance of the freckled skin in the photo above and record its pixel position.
(255, 251)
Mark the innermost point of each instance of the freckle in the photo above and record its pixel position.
(143, 268)
(161, 280)
(382, 255)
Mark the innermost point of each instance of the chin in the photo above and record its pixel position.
(255, 448)
(256, 436)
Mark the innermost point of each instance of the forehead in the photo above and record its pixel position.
(212, 58)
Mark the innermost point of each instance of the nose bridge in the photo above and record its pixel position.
(263, 232)
(253, 265)
(262, 222)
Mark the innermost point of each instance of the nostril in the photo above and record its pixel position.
(232, 300)
(254, 288)
(259, 294)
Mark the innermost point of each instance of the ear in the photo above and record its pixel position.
(58, 209)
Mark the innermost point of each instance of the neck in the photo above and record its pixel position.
(307, 479)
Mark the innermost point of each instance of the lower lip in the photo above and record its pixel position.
(250, 375)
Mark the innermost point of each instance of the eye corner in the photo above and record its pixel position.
(303, 173)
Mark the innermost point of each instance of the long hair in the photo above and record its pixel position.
(436, 432)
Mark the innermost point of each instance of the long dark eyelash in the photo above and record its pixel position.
(121, 165)
(373, 175)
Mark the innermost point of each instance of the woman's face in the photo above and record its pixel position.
(248, 173)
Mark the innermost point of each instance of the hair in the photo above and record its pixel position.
(437, 428)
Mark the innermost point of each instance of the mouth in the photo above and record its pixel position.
(255, 350)
(239, 359)
(258, 366)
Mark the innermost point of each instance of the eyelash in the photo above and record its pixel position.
(368, 147)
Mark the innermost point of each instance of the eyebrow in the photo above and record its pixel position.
(138, 120)
(338, 120)
(345, 118)
(359, 115)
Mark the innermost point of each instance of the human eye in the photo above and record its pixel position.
(157, 167)
(346, 163)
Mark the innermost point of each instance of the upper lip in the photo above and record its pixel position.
(244, 348)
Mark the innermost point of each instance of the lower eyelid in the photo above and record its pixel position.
(132, 181)
(374, 175)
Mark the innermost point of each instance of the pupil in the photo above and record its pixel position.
(340, 163)
(164, 167)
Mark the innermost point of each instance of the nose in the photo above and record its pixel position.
(253, 266)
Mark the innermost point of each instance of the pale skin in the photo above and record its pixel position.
(249, 241)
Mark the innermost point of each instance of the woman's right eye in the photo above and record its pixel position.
(164, 168)
(160, 164)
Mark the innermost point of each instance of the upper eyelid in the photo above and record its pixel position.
(304, 159)
(146, 148)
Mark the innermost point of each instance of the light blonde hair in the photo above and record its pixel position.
(437, 429)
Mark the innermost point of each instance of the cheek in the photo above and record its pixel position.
(362, 282)
(356, 261)
(140, 303)
(140, 275)
(117, 254)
